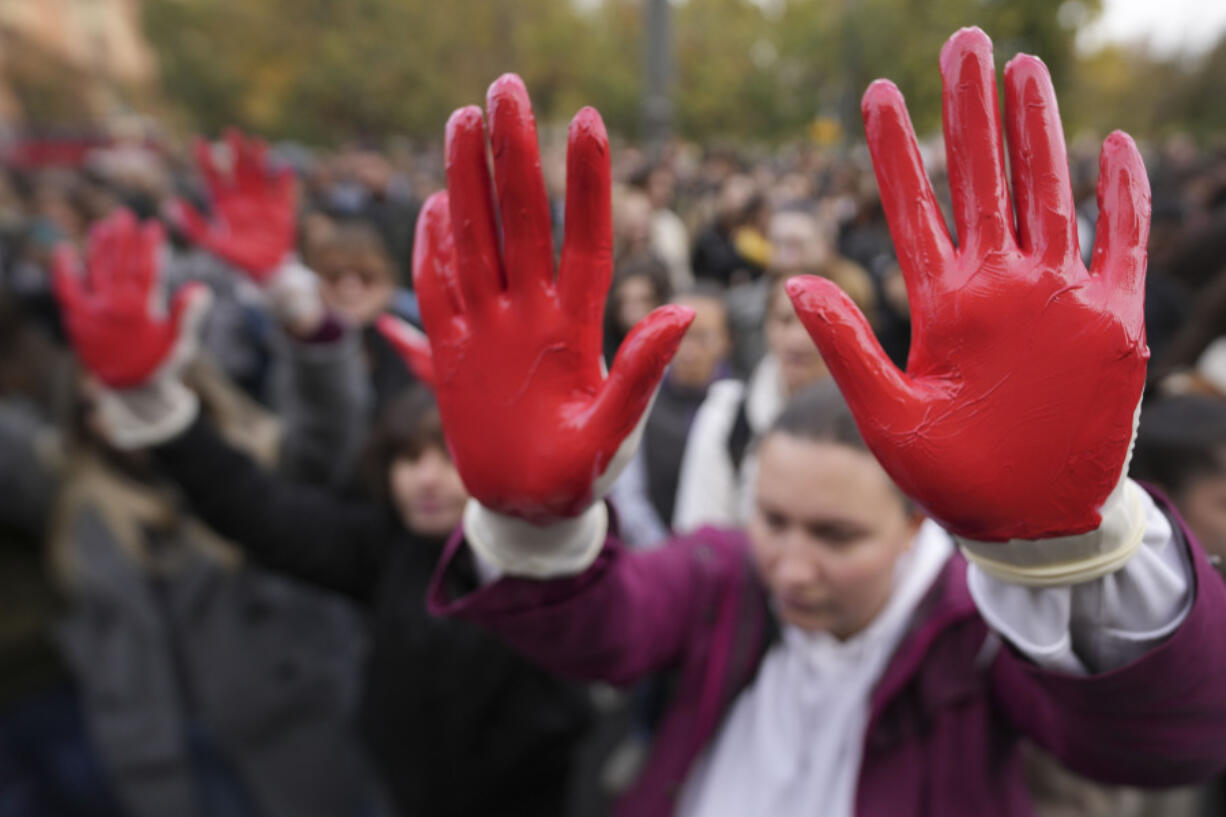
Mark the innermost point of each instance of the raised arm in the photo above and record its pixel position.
(1014, 420)
(537, 430)
(135, 347)
(321, 390)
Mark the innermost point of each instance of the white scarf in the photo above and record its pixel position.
(792, 743)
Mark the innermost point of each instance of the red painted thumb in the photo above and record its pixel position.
(869, 380)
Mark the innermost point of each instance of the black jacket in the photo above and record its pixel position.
(457, 723)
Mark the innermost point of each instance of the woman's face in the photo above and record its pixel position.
(800, 362)
(705, 344)
(427, 492)
(635, 298)
(356, 284)
(827, 528)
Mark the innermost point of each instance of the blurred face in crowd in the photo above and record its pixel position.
(660, 186)
(797, 243)
(635, 296)
(734, 195)
(705, 344)
(799, 360)
(1203, 505)
(427, 492)
(827, 528)
(355, 276)
(373, 171)
(632, 221)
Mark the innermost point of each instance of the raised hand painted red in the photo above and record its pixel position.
(531, 419)
(1014, 416)
(253, 209)
(120, 330)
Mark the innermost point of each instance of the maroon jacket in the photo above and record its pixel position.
(946, 716)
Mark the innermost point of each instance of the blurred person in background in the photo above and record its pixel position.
(716, 256)
(241, 684)
(448, 740)
(49, 763)
(864, 239)
(632, 219)
(645, 495)
(358, 282)
(799, 244)
(640, 284)
(719, 460)
(359, 183)
(669, 236)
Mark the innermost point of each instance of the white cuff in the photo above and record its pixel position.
(1067, 560)
(1100, 625)
(293, 295)
(147, 415)
(514, 547)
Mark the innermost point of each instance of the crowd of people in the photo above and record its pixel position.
(227, 616)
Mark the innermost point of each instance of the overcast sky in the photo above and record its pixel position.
(1168, 26)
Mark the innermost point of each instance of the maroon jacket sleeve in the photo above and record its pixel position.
(1159, 721)
(629, 614)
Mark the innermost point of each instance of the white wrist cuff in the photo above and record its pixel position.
(1068, 560)
(293, 295)
(147, 415)
(565, 547)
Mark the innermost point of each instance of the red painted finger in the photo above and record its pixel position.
(527, 234)
(111, 247)
(101, 254)
(973, 144)
(587, 250)
(131, 278)
(146, 245)
(188, 308)
(636, 371)
(434, 269)
(916, 224)
(1042, 188)
(248, 159)
(471, 202)
(869, 380)
(1122, 236)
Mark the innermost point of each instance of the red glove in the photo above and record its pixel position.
(531, 419)
(120, 330)
(253, 209)
(1015, 416)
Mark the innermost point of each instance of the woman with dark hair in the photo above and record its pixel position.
(447, 738)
